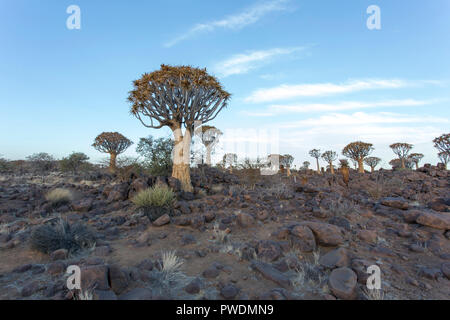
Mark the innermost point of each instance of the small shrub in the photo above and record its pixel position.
(155, 201)
(73, 237)
(58, 197)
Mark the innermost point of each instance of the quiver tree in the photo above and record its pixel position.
(315, 153)
(177, 97)
(113, 143)
(306, 165)
(402, 150)
(358, 151)
(442, 143)
(286, 161)
(415, 158)
(329, 157)
(372, 162)
(230, 159)
(210, 137)
(444, 157)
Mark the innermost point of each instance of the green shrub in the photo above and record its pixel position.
(48, 238)
(155, 201)
(74, 163)
(59, 197)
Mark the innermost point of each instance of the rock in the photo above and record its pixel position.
(161, 221)
(245, 220)
(102, 250)
(211, 272)
(268, 250)
(137, 294)
(23, 268)
(32, 288)
(335, 258)
(194, 286)
(56, 268)
(60, 254)
(342, 283)
(229, 291)
(434, 220)
(174, 183)
(94, 277)
(446, 269)
(395, 202)
(430, 273)
(187, 239)
(368, 236)
(270, 273)
(303, 238)
(82, 205)
(411, 216)
(118, 280)
(439, 204)
(326, 234)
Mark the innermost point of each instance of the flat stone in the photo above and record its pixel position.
(336, 258)
(270, 273)
(161, 221)
(436, 220)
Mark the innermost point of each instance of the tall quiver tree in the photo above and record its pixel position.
(372, 162)
(177, 97)
(315, 153)
(415, 158)
(210, 137)
(358, 151)
(113, 143)
(329, 157)
(401, 150)
(286, 161)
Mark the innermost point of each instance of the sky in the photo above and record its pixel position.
(302, 74)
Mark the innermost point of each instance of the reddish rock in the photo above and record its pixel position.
(335, 258)
(368, 236)
(94, 277)
(161, 221)
(435, 220)
(342, 283)
(326, 234)
(303, 238)
(393, 202)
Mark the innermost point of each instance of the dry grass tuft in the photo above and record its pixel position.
(58, 197)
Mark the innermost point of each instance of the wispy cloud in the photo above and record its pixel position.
(243, 63)
(234, 22)
(347, 105)
(342, 121)
(285, 91)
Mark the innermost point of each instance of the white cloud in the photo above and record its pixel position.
(234, 22)
(348, 105)
(321, 89)
(243, 63)
(343, 121)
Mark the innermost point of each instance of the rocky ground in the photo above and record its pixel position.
(308, 236)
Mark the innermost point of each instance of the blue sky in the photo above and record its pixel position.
(310, 70)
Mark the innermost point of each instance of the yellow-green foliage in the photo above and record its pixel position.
(59, 196)
(157, 196)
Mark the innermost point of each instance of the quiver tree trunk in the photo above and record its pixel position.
(318, 167)
(112, 162)
(417, 166)
(372, 169)
(288, 171)
(360, 166)
(181, 158)
(208, 155)
(403, 162)
(331, 168)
